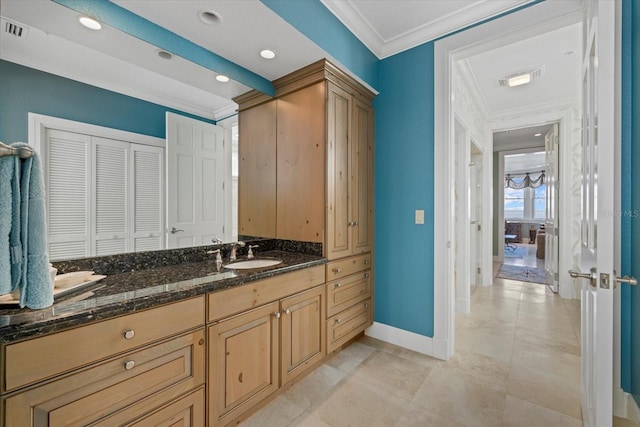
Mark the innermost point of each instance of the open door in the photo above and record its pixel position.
(598, 207)
(195, 182)
(551, 257)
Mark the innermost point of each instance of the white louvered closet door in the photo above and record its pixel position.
(147, 201)
(110, 162)
(68, 179)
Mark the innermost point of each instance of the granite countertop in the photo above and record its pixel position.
(125, 293)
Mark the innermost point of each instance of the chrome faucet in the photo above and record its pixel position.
(250, 253)
(234, 248)
(218, 258)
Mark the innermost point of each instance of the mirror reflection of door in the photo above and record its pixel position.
(195, 182)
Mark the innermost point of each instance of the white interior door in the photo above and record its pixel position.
(195, 182)
(551, 219)
(598, 189)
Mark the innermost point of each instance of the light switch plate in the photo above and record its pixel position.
(419, 216)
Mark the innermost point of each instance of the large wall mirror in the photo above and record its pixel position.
(100, 118)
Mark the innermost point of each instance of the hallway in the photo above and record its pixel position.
(517, 363)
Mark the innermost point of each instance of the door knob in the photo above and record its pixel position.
(592, 276)
(627, 279)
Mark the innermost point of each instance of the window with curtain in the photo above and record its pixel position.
(525, 203)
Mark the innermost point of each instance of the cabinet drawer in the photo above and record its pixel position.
(187, 412)
(241, 298)
(344, 293)
(30, 361)
(348, 266)
(346, 325)
(153, 376)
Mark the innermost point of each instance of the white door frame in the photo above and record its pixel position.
(446, 51)
(567, 119)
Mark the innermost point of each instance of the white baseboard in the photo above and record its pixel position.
(625, 406)
(463, 305)
(400, 337)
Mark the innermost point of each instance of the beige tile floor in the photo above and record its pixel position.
(517, 363)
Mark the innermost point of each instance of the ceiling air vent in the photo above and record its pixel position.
(15, 29)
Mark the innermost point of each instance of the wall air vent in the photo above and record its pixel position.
(15, 29)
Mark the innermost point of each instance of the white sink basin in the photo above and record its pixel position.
(253, 263)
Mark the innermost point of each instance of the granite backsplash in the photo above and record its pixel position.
(135, 261)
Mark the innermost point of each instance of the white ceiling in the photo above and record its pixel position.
(56, 43)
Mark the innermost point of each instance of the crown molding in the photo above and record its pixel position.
(349, 15)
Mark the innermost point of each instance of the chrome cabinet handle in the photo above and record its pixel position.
(337, 285)
(129, 333)
(129, 364)
(287, 311)
(277, 314)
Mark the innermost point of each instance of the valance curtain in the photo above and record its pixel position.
(527, 181)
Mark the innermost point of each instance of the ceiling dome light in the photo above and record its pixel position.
(210, 17)
(90, 23)
(267, 54)
(165, 55)
(222, 78)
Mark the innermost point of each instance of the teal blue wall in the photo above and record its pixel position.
(24, 90)
(404, 183)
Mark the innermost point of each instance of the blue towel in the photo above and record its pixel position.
(36, 289)
(7, 165)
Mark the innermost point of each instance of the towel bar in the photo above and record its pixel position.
(22, 152)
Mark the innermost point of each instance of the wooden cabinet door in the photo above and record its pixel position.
(243, 362)
(302, 329)
(361, 189)
(300, 177)
(257, 171)
(338, 241)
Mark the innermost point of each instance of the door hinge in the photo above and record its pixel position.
(223, 229)
(479, 270)
(555, 231)
(604, 281)
(556, 277)
(223, 185)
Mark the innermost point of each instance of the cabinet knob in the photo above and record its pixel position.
(366, 305)
(337, 270)
(338, 285)
(366, 275)
(129, 333)
(287, 311)
(129, 364)
(338, 320)
(277, 314)
(366, 262)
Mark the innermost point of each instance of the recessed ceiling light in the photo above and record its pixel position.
(90, 23)
(210, 17)
(222, 78)
(164, 54)
(522, 78)
(267, 54)
(538, 134)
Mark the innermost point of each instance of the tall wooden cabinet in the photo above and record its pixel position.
(324, 159)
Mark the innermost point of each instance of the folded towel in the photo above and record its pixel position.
(6, 177)
(36, 289)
